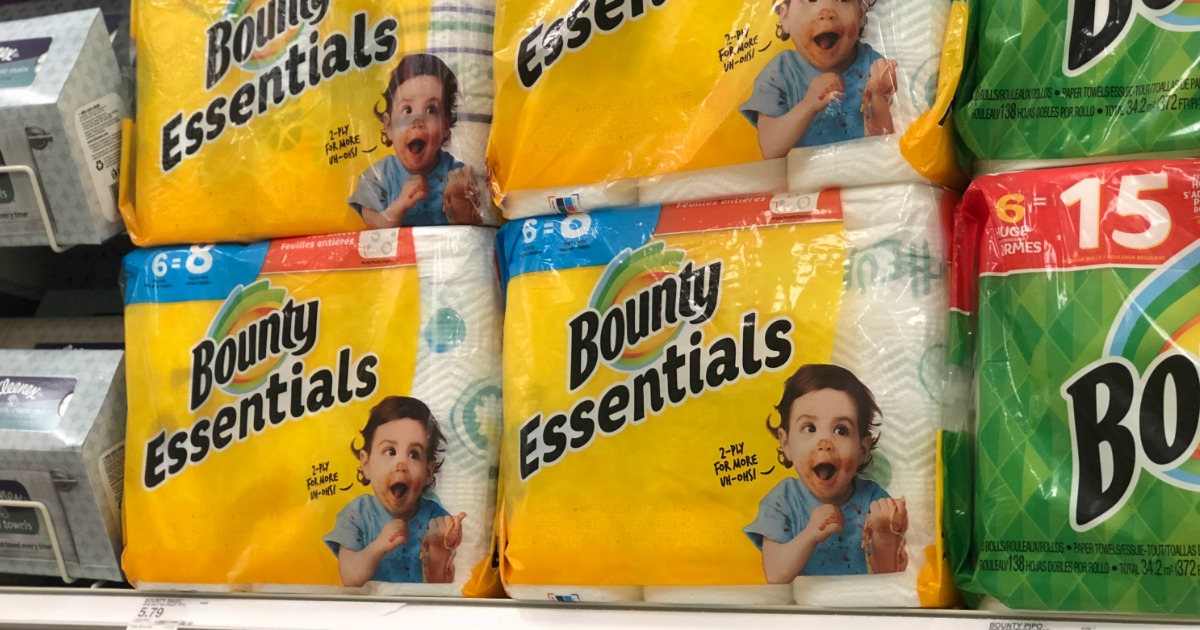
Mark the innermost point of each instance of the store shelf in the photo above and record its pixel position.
(100, 608)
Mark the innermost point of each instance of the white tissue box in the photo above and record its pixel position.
(61, 107)
(62, 431)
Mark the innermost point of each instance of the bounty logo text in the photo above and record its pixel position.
(1097, 27)
(638, 306)
(256, 32)
(1125, 419)
(250, 337)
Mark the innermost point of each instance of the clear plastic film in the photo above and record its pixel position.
(649, 354)
(1074, 486)
(62, 423)
(654, 101)
(341, 393)
(1075, 81)
(298, 106)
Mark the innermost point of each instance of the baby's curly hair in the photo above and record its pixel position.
(817, 376)
(418, 65)
(866, 5)
(398, 408)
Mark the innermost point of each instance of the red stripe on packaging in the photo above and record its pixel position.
(371, 249)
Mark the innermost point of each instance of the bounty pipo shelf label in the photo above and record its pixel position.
(1079, 78)
(1088, 470)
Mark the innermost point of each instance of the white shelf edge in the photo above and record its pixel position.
(110, 608)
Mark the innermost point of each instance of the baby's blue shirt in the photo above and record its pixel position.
(381, 183)
(784, 82)
(786, 510)
(359, 523)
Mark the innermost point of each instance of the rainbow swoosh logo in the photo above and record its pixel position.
(1160, 315)
(630, 273)
(276, 48)
(244, 306)
(1185, 16)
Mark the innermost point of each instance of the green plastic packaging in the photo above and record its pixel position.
(1077, 485)
(1069, 79)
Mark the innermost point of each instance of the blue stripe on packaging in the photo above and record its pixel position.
(579, 240)
(184, 274)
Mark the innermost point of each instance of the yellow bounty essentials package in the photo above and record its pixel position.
(619, 102)
(314, 413)
(267, 118)
(705, 402)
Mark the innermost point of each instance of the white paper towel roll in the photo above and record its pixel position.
(521, 204)
(891, 333)
(864, 162)
(767, 176)
(463, 38)
(583, 594)
(458, 376)
(766, 595)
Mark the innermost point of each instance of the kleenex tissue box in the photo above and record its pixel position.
(60, 119)
(62, 431)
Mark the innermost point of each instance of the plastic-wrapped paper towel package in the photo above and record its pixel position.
(1081, 287)
(61, 104)
(327, 116)
(603, 104)
(728, 401)
(1079, 80)
(62, 453)
(315, 413)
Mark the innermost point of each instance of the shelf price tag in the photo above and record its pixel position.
(163, 613)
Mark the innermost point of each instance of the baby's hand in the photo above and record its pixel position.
(393, 535)
(889, 515)
(461, 199)
(883, 536)
(414, 190)
(825, 521)
(445, 531)
(437, 550)
(824, 89)
(882, 81)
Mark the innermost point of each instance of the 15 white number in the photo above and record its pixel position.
(1086, 193)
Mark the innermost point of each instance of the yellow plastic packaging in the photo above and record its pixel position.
(314, 414)
(665, 369)
(268, 118)
(602, 104)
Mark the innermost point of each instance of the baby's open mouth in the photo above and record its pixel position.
(824, 472)
(399, 490)
(826, 41)
(417, 146)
